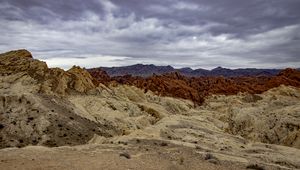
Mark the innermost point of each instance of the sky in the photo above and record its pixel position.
(180, 33)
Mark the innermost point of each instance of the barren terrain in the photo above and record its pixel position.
(56, 119)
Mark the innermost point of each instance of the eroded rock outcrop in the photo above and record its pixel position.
(61, 82)
(197, 88)
(45, 120)
(100, 76)
(50, 80)
(271, 117)
(34, 109)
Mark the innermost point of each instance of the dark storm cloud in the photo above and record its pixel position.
(45, 11)
(197, 33)
(236, 16)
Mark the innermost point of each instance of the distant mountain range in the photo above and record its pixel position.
(148, 70)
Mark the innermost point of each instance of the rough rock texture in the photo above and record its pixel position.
(51, 80)
(41, 120)
(62, 82)
(197, 88)
(100, 76)
(52, 107)
(226, 128)
(32, 110)
(272, 117)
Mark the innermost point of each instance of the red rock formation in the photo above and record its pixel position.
(100, 76)
(197, 88)
(170, 84)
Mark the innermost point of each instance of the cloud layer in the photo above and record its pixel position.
(193, 33)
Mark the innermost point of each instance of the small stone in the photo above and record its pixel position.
(213, 161)
(255, 166)
(163, 144)
(126, 155)
(208, 156)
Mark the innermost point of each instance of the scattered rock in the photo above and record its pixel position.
(125, 154)
(255, 166)
(163, 144)
(208, 156)
(213, 161)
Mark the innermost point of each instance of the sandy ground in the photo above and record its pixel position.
(114, 157)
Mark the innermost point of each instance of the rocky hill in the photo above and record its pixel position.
(50, 80)
(56, 119)
(32, 110)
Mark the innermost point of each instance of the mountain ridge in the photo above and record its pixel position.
(146, 70)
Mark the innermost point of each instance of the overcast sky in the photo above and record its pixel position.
(181, 33)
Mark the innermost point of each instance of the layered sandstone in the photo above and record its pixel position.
(33, 110)
(50, 80)
(197, 88)
(129, 125)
